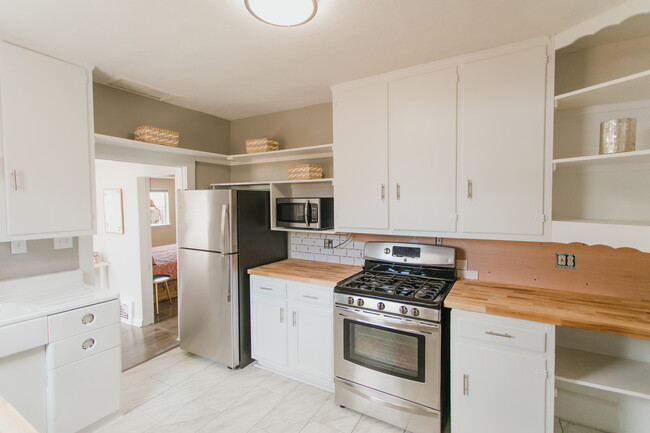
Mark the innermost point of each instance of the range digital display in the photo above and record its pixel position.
(408, 252)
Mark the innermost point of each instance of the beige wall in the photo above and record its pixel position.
(165, 235)
(207, 174)
(41, 258)
(307, 126)
(118, 113)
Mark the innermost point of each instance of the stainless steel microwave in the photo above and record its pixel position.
(305, 213)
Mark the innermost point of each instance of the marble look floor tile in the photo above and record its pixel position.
(368, 424)
(148, 369)
(334, 416)
(295, 410)
(142, 392)
(183, 370)
(315, 427)
(180, 395)
(133, 422)
(242, 415)
(278, 384)
(223, 395)
(569, 427)
(186, 419)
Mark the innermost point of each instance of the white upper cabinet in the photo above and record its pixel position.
(502, 117)
(361, 158)
(46, 135)
(422, 151)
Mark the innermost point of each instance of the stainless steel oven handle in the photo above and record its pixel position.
(307, 213)
(388, 322)
(404, 405)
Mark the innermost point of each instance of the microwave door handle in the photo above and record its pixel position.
(307, 209)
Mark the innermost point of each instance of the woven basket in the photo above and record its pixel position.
(305, 171)
(151, 134)
(257, 145)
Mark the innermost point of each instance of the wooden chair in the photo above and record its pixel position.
(158, 279)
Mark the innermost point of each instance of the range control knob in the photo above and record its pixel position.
(386, 250)
(360, 302)
(403, 309)
(381, 305)
(350, 300)
(415, 312)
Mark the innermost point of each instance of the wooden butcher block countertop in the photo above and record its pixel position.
(614, 315)
(307, 271)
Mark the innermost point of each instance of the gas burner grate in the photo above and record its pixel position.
(396, 285)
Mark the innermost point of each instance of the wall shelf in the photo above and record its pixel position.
(630, 88)
(612, 158)
(271, 182)
(319, 151)
(608, 373)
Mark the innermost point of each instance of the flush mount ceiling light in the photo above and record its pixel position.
(283, 13)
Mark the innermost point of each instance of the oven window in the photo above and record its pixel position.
(389, 351)
(291, 212)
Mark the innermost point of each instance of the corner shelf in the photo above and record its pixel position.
(614, 233)
(604, 372)
(626, 89)
(612, 158)
(319, 151)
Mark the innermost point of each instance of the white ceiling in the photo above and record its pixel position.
(218, 59)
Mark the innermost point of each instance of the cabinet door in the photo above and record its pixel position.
(422, 150)
(361, 158)
(269, 330)
(502, 115)
(495, 391)
(46, 143)
(310, 340)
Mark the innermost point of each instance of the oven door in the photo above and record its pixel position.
(389, 354)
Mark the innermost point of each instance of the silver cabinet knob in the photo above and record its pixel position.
(88, 344)
(403, 309)
(381, 305)
(360, 302)
(88, 318)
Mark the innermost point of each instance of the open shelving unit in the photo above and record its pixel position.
(319, 151)
(604, 372)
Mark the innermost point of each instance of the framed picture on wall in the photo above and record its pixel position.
(113, 213)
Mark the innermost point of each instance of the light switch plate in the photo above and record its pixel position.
(61, 243)
(18, 247)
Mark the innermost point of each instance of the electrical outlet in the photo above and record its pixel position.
(61, 243)
(439, 242)
(567, 261)
(18, 247)
(328, 243)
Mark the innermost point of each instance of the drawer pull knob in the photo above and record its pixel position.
(311, 297)
(88, 344)
(266, 288)
(496, 334)
(88, 319)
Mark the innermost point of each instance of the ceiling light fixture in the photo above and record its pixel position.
(283, 13)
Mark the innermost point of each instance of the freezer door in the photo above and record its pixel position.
(205, 220)
(208, 299)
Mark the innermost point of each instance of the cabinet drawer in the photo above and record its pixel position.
(504, 331)
(22, 336)
(82, 346)
(268, 286)
(81, 320)
(314, 295)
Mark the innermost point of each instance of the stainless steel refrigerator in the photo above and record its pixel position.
(221, 234)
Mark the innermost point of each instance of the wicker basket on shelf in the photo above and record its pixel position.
(151, 134)
(305, 172)
(257, 145)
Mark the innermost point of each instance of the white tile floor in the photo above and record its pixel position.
(182, 393)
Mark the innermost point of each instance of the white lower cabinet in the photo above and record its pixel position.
(291, 329)
(502, 374)
(83, 367)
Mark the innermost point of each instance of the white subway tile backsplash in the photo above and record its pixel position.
(327, 251)
(358, 262)
(294, 247)
(347, 261)
(296, 241)
(296, 255)
(315, 250)
(303, 248)
(320, 257)
(359, 245)
(333, 259)
(354, 253)
(340, 252)
(308, 256)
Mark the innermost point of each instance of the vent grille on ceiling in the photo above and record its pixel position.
(139, 89)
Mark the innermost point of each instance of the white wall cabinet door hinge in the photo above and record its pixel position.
(542, 373)
(541, 218)
(454, 217)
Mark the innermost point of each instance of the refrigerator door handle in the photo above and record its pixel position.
(224, 214)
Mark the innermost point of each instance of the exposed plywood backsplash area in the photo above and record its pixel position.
(623, 272)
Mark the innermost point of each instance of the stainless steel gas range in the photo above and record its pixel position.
(391, 335)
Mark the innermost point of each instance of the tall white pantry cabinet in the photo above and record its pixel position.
(455, 148)
(46, 146)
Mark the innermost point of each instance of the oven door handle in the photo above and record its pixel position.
(403, 405)
(389, 323)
